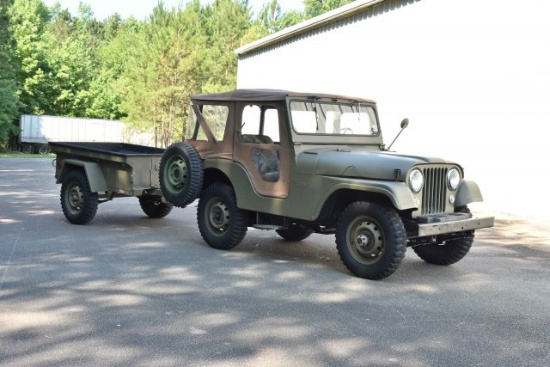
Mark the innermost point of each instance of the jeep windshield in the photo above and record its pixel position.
(317, 117)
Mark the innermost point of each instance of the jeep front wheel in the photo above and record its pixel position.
(447, 252)
(181, 174)
(221, 223)
(371, 240)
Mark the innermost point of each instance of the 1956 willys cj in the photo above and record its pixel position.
(303, 163)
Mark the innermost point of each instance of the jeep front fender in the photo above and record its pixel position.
(397, 192)
(468, 192)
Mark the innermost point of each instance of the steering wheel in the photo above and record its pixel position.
(346, 130)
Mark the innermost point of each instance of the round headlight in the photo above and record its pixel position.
(453, 178)
(416, 180)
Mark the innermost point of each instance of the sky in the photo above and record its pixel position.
(140, 9)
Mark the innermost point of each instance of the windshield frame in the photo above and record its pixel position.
(333, 117)
(316, 139)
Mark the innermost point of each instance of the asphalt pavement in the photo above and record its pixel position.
(127, 290)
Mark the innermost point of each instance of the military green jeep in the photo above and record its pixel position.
(302, 163)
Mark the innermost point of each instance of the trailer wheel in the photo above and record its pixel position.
(154, 207)
(181, 174)
(79, 204)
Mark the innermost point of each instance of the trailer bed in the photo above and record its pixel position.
(117, 152)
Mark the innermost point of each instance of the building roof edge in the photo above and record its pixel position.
(309, 24)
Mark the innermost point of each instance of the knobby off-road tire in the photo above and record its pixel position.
(221, 223)
(154, 207)
(447, 252)
(294, 233)
(371, 240)
(181, 174)
(79, 204)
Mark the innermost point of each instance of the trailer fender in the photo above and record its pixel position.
(93, 171)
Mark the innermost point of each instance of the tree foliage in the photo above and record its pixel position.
(28, 20)
(318, 7)
(8, 87)
(144, 72)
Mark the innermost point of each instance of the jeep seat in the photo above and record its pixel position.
(265, 160)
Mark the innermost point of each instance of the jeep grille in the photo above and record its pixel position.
(434, 191)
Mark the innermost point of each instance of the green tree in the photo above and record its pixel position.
(270, 19)
(8, 86)
(112, 25)
(28, 19)
(270, 16)
(164, 71)
(226, 23)
(317, 7)
(89, 27)
(73, 44)
(72, 61)
(291, 18)
(116, 57)
(62, 24)
(144, 72)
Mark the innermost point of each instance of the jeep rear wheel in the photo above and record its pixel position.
(221, 223)
(154, 207)
(294, 233)
(371, 240)
(181, 174)
(79, 204)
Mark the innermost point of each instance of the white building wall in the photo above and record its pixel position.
(472, 76)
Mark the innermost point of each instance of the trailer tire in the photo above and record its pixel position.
(79, 204)
(181, 174)
(154, 207)
(43, 149)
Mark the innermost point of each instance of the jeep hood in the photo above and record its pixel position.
(346, 162)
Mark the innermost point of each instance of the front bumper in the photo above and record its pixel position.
(435, 228)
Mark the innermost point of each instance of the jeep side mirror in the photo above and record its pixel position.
(404, 124)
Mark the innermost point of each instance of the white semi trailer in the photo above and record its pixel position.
(38, 131)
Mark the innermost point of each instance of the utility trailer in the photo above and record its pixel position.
(93, 173)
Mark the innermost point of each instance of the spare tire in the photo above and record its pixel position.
(181, 174)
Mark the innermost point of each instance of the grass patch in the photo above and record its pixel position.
(25, 155)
